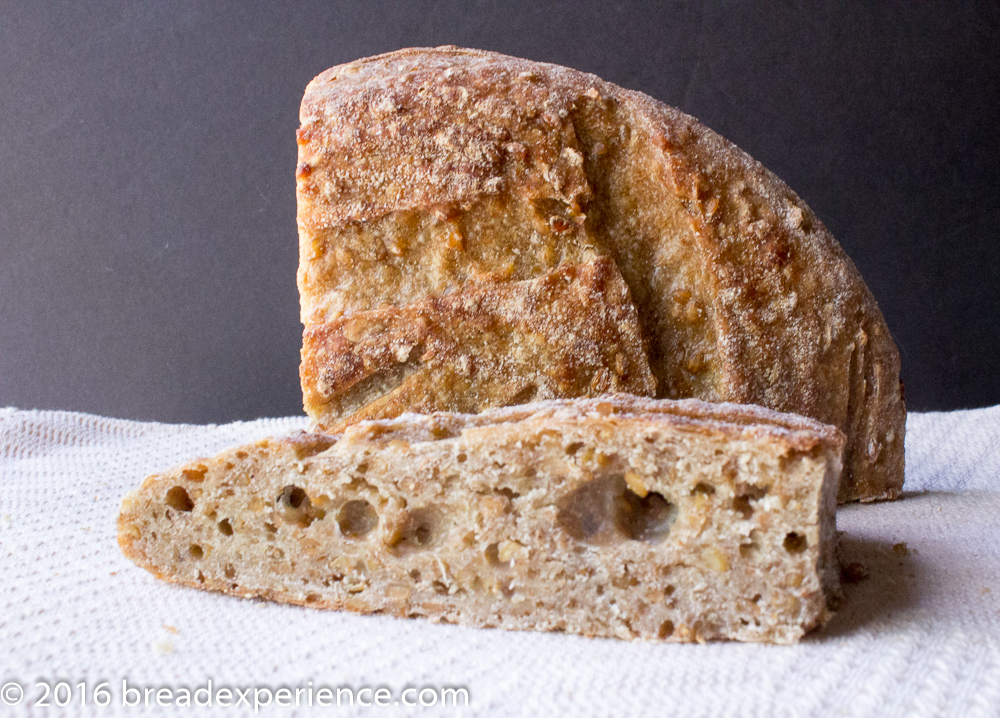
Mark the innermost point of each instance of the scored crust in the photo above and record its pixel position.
(572, 332)
(617, 517)
(424, 169)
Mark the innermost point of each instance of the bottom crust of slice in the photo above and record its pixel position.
(620, 517)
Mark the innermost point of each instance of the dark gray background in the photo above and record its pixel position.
(147, 206)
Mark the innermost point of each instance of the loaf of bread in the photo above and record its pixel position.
(619, 517)
(424, 169)
(570, 333)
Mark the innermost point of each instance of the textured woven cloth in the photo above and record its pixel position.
(919, 637)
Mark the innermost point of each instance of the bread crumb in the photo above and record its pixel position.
(473, 553)
(900, 549)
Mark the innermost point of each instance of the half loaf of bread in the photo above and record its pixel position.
(572, 332)
(424, 169)
(619, 517)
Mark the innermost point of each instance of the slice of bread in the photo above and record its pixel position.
(570, 333)
(619, 517)
(423, 169)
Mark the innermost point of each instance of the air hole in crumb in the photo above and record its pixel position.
(509, 493)
(756, 598)
(292, 497)
(295, 507)
(418, 530)
(201, 577)
(312, 598)
(741, 505)
(749, 549)
(646, 519)
(753, 492)
(795, 543)
(604, 510)
(702, 488)
(571, 449)
(270, 528)
(415, 575)
(225, 527)
(666, 629)
(357, 519)
(230, 571)
(461, 458)
(177, 498)
(669, 590)
(196, 551)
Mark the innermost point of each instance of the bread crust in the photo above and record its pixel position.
(742, 294)
(572, 332)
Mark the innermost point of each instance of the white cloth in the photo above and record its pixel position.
(919, 637)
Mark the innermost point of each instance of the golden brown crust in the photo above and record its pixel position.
(798, 330)
(424, 169)
(799, 433)
(572, 332)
